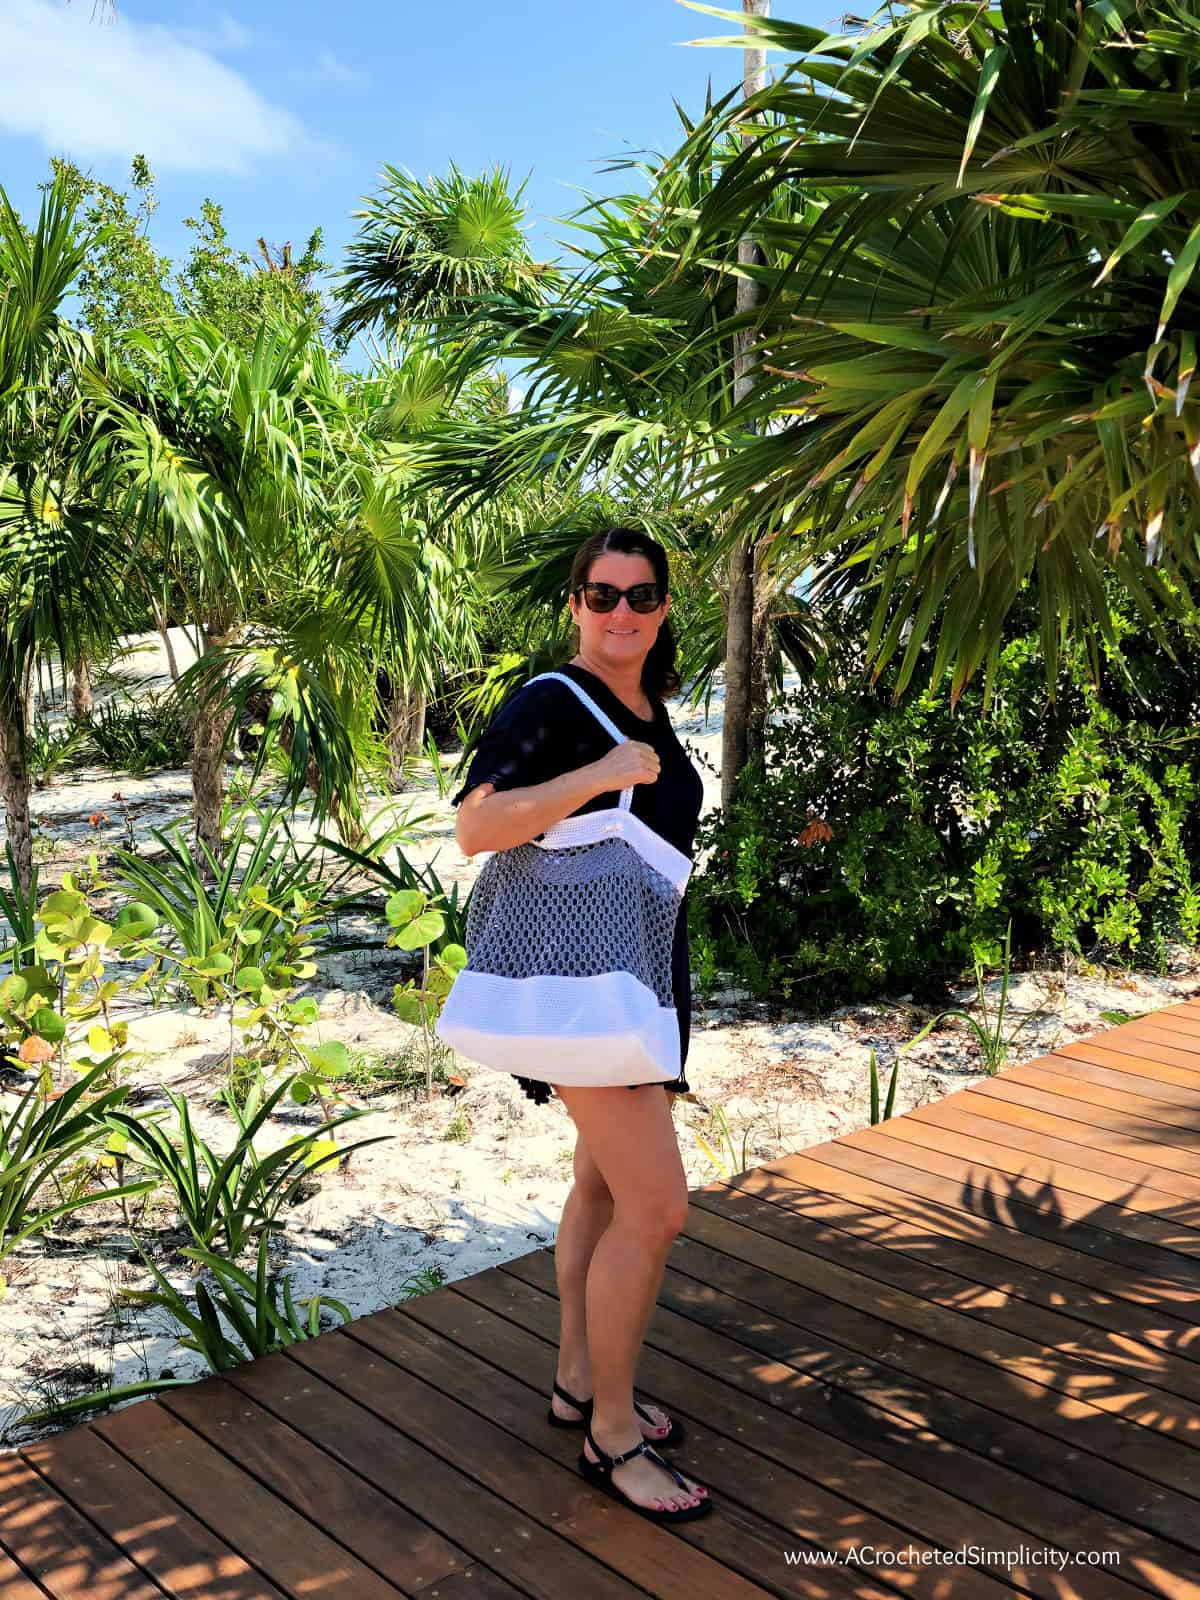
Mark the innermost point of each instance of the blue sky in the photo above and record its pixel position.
(284, 112)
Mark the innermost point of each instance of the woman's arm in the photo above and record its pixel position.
(497, 820)
(491, 819)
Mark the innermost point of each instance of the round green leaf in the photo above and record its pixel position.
(49, 1024)
(331, 1058)
(430, 925)
(403, 906)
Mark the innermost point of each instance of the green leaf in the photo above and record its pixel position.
(1147, 220)
(250, 979)
(402, 906)
(331, 1058)
(50, 1025)
(988, 76)
(423, 930)
(1180, 277)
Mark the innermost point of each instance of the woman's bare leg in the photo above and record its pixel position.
(587, 1212)
(631, 1138)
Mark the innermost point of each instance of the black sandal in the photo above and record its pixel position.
(676, 1435)
(599, 1473)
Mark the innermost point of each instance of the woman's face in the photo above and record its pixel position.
(623, 635)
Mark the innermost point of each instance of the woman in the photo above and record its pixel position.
(545, 757)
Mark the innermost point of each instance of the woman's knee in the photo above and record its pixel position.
(656, 1215)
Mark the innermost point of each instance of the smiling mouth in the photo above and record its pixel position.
(621, 633)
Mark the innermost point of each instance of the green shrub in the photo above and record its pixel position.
(887, 845)
(143, 735)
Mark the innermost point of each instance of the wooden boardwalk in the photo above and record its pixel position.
(972, 1330)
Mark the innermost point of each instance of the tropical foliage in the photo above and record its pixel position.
(978, 335)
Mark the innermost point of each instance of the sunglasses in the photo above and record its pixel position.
(604, 596)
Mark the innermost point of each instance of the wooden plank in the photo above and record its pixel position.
(747, 1538)
(1045, 1346)
(289, 1549)
(154, 1531)
(1070, 1146)
(1033, 1453)
(1132, 1136)
(385, 1535)
(825, 1179)
(1179, 1032)
(723, 1424)
(527, 1489)
(985, 1490)
(1149, 1119)
(938, 1387)
(14, 1585)
(926, 1256)
(472, 1583)
(1160, 1074)
(1141, 1206)
(390, 1469)
(989, 1170)
(64, 1552)
(1171, 1019)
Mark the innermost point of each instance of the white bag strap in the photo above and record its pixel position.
(606, 722)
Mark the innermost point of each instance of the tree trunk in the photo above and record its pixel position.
(760, 687)
(164, 633)
(405, 730)
(737, 737)
(210, 728)
(14, 788)
(81, 690)
(30, 690)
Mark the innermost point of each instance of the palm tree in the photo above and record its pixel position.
(981, 322)
(60, 559)
(202, 450)
(629, 384)
(424, 251)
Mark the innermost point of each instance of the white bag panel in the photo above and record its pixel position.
(547, 1028)
(592, 826)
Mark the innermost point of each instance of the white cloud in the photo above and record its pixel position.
(327, 68)
(92, 90)
(223, 33)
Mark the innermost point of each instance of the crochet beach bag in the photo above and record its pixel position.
(568, 940)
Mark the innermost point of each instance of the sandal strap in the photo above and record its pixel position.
(645, 1415)
(607, 1461)
(580, 1405)
(642, 1448)
(652, 1454)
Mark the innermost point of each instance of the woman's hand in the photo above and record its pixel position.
(626, 764)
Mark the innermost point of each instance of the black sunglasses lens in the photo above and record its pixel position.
(604, 596)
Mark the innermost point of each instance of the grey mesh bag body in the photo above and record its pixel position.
(569, 940)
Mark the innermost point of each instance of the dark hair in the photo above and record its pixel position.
(659, 677)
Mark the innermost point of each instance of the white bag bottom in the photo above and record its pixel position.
(531, 1026)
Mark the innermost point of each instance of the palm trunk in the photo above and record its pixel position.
(30, 692)
(14, 786)
(164, 633)
(405, 730)
(210, 729)
(760, 688)
(737, 738)
(81, 690)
